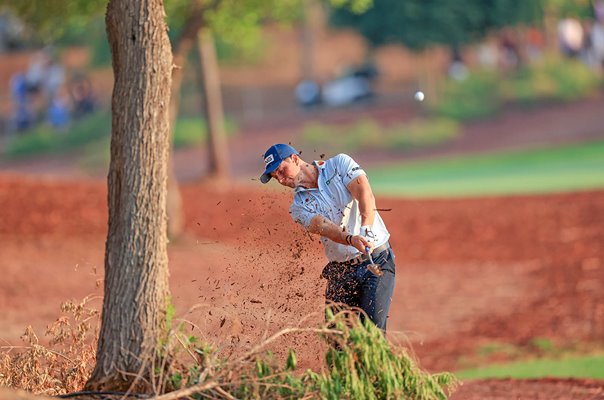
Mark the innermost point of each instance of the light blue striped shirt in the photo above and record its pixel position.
(333, 200)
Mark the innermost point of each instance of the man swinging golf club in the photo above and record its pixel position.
(333, 199)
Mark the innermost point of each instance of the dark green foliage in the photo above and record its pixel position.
(50, 18)
(418, 24)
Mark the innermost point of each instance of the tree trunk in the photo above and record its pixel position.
(209, 80)
(136, 264)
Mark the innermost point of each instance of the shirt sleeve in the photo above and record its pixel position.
(301, 214)
(348, 168)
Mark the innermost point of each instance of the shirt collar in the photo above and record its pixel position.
(320, 164)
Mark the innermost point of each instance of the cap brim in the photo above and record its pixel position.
(264, 178)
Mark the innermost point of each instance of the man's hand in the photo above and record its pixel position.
(361, 243)
(368, 234)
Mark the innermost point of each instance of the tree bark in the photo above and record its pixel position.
(209, 85)
(136, 263)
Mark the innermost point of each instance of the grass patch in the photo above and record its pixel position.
(192, 131)
(93, 133)
(42, 139)
(591, 366)
(369, 134)
(556, 169)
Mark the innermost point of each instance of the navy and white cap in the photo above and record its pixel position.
(273, 158)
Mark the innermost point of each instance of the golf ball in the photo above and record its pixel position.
(419, 96)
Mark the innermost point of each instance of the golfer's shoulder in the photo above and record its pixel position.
(339, 160)
(342, 157)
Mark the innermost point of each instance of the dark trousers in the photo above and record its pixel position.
(356, 286)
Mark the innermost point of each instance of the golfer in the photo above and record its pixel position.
(333, 199)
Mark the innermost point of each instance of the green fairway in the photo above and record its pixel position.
(556, 169)
(575, 367)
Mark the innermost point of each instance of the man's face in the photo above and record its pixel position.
(287, 172)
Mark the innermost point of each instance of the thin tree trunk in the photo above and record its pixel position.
(136, 262)
(209, 80)
(182, 47)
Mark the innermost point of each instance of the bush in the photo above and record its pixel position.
(368, 134)
(364, 366)
(473, 98)
(552, 79)
(422, 133)
(65, 366)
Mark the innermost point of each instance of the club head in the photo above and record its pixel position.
(375, 269)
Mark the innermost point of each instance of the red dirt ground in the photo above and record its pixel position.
(470, 272)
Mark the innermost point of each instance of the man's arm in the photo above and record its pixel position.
(324, 227)
(361, 191)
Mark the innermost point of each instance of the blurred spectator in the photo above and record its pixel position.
(487, 55)
(508, 50)
(535, 41)
(58, 113)
(54, 78)
(457, 68)
(597, 44)
(22, 115)
(36, 71)
(570, 37)
(82, 97)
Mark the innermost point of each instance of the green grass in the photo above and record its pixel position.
(42, 139)
(94, 132)
(192, 131)
(577, 367)
(555, 169)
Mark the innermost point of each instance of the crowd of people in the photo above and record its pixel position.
(42, 93)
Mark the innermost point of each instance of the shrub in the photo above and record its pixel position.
(368, 134)
(360, 365)
(422, 133)
(551, 79)
(473, 98)
(62, 367)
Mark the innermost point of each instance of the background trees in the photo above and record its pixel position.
(419, 24)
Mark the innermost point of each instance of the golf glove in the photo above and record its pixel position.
(368, 234)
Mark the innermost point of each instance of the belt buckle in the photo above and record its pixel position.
(357, 260)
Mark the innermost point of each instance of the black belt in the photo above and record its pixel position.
(363, 258)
